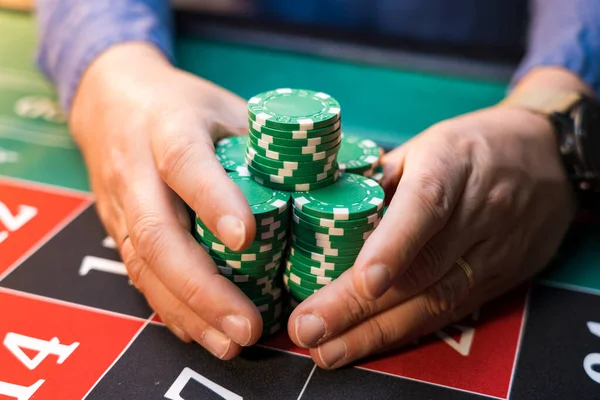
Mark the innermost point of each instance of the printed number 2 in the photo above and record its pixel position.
(593, 359)
(15, 222)
(15, 343)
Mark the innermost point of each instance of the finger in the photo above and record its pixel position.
(179, 318)
(337, 307)
(185, 157)
(393, 165)
(174, 256)
(397, 326)
(431, 185)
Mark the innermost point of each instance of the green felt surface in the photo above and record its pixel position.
(387, 105)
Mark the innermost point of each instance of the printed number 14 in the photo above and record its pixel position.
(15, 343)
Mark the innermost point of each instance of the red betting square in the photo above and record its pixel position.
(56, 351)
(477, 355)
(30, 212)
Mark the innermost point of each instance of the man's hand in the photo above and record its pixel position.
(146, 131)
(489, 187)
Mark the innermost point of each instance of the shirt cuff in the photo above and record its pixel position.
(564, 35)
(73, 33)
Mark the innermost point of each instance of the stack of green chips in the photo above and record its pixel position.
(294, 138)
(360, 156)
(255, 270)
(330, 227)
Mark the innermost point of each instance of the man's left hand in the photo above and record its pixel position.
(488, 187)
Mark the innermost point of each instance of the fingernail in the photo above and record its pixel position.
(333, 352)
(216, 342)
(232, 231)
(376, 280)
(237, 328)
(309, 330)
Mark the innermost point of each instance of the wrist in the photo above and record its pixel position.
(111, 76)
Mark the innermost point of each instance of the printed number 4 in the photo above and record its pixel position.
(593, 359)
(15, 343)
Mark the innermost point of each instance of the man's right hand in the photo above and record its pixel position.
(146, 131)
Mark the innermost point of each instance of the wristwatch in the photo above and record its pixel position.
(576, 119)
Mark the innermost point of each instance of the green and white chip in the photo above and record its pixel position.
(293, 109)
(231, 152)
(263, 201)
(357, 154)
(351, 196)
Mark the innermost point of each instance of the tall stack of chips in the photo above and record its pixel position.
(330, 226)
(294, 138)
(295, 149)
(255, 269)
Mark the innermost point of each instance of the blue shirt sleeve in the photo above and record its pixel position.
(564, 33)
(72, 33)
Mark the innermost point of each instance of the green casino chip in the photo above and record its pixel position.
(231, 152)
(351, 196)
(326, 251)
(296, 134)
(324, 258)
(267, 257)
(291, 109)
(300, 187)
(306, 259)
(293, 180)
(317, 236)
(247, 265)
(334, 231)
(290, 172)
(253, 155)
(322, 280)
(297, 291)
(332, 223)
(300, 267)
(258, 277)
(358, 154)
(293, 278)
(264, 202)
(290, 142)
(274, 155)
(294, 150)
(261, 240)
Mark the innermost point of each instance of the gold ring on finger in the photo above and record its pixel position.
(467, 270)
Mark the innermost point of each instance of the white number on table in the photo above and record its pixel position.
(174, 392)
(15, 342)
(19, 392)
(90, 263)
(593, 359)
(13, 223)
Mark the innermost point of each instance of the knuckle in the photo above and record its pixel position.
(501, 198)
(441, 298)
(376, 336)
(426, 269)
(191, 292)
(431, 258)
(433, 196)
(174, 156)
(358, 309)
(149, 235)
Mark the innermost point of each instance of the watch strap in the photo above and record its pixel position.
(546, 102)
